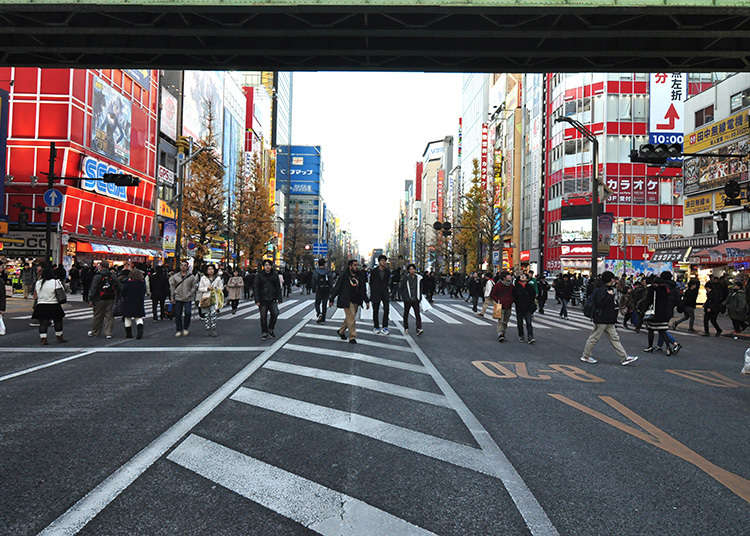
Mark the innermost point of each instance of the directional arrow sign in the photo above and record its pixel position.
(53, 198)
(672, 116)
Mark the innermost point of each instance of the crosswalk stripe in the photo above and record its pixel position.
(289, 313)
(425, 319)
(434, 447)
(241, 310)
(316, 507)
(285, 304)
(357, 357)
(359, 341)
(365, 313)
(456, 311)
(338, 314)
(360, 381)
(442, 316)
(359, 329)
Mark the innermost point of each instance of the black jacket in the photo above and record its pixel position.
(476, 287)
(133, 294)
(406, 293)
(350, 288)
(267, 286)
(524, 298)
(690, 297)
(380, 283)
(159, 284)
(605, 307)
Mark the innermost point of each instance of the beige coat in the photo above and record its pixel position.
(234, 287)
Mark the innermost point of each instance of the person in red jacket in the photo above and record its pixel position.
(502, 294)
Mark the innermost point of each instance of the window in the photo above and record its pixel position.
(706, 115)
(703, 225)
(740, 221)
(640, 107)
(739, 100)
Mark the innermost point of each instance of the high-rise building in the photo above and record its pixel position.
(302, 176)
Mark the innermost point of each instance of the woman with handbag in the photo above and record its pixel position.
(49, 294)
(663, 295)
(210, 298)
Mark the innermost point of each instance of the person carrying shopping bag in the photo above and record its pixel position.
(49, 295)
(210, 298)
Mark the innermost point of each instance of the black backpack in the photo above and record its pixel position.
(323, 281)
(106, 288)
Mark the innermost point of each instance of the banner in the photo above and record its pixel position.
(440, 184)
(302, 173)
(168, 121)
(706, 173)
(110, 128)
(142, 77)
(170, 235)
(605, 233)
(483, 162)
(718, 132)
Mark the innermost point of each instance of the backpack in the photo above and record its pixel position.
(588, 306)
(323, 281)
(106, 289)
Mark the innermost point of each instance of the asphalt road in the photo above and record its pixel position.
(448, 433)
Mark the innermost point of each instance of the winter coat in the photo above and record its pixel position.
(475, 287)
(267, 287)
(690, 297)
(96, 284)
(406, 289)
(380, 283)
(737, 305)
(182, 289)
(133, 294)
(159, 284)
(714, 299)
(502, 294)
(564, 290)
(666, 294)
(604, 305)
(524, 296)
(322, 280)
(235, 286)
(350, 288)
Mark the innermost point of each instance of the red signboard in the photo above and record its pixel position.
(440, 182)
(578, 250)
(418, 183)
(525, 256)
(485, 148)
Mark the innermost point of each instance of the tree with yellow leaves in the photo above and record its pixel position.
(477, 222)
(253, 215)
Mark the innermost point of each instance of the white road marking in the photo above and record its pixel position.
(45, 365)
(534, 516)
(359, 330)
(434, 447)
(316, 507)
(425, 319)
(442, 316)
(359, 341)
(241, 310)
(136, 349)
(365, 313)
(289, 313)
(83, 511)
(283, 305)
(338, 314)
(456, 310)
(357, 357)
(359, 381)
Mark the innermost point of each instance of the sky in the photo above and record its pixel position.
(372, 129)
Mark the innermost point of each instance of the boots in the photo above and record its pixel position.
(129, 332)
(61, 339)
(139, 331)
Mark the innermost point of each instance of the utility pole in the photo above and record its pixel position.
(50, 184)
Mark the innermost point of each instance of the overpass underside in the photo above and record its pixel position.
(370, 37)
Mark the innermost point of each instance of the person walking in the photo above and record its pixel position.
(689, 299)
(133, 296)
(267, 297)
(380, 283)
(248, 280)
(713, 306)
(564, 291)
(604, 316)
(211, 298)
(235, 286)
(543, 292)
(736, 307)
(488, 284)
(411, 292)
(664, 295)
(502, 295)
(182, 287)
(48, 308)
(87, 275)
(105, 289)
(3, 298)
(351, 292)
(476, 289)
(524, 297)
(75, 278)
(159, 285)
(322, 283)
(28, 278)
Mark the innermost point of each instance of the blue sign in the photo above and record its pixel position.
(94, 169)
(667, 139)
(495, 257)
(53, 198)
(301, 172)
(320, 248)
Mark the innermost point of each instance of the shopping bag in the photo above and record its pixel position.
(2, 325)
(745, 369)
(497, 311)
(424, 305)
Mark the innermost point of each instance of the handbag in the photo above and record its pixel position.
(651, 311)
(205, 300)
(60, 295)
(497, 311)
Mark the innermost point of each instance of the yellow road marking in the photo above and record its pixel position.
(708, 377)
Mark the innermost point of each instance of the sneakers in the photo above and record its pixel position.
(272, 334)
(185, 333)
(669, 350)
(531, 340)
(263, 336)
(377, 331)
(91, 334)
(419, 332)
(521, 339)
(480, 315)
(589, 360)
(649, 349)
(178, 334)
(628, 360)
(385, 331)
(108, 337)
(676, 347)
(501, 338)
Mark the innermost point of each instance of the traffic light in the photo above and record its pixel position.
(121, 179)
(723, 230)
(437, 226)
(183, 145)
(656, 154)
(732, 193)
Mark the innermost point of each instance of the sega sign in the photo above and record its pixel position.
(93, 169)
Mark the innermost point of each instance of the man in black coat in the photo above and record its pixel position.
(475, 290)
(267, 298)
(351, 291)
(380, 282)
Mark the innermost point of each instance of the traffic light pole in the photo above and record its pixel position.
(50, 184)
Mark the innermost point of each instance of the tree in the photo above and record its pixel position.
(296, 238)
(252, 215)
(477, 219)
(204, 194)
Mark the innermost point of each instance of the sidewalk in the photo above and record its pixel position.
(17, 304)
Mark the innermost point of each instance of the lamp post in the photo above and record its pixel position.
(586, 133)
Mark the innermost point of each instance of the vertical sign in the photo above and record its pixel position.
(460, 139)
(440, 183)
(418, 184)
(483, 164)
(605, 233)
(667, 93)
(4, 98)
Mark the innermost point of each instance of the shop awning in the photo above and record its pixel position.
(671, 255)
(110, 249)
(725, 253)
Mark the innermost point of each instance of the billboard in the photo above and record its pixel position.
(576, 230)
(92, 170)
(110, 122)
(200, 89)
(168, 121)
(705, 173)
(667, 93)
(142, 77)
(302, 173)
(4, 98)
(483, 161)
(718, 132)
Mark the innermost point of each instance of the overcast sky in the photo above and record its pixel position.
(373, 127)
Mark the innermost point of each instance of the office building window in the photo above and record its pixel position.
(706, 115)
(739, 100)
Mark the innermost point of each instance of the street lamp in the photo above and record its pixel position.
(586, 133)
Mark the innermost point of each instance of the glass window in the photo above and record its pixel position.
(571, 107)
(706, 115)
(612, 148)
(739, 100)
(612, 107)
(624, 111)
(624, 149)
(598, 109)
(640, 108)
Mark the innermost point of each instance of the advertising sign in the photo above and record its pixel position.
(666, 107)
(169, 239)
(168, 121)
(605, 233)
(440, 184)
(483, 162)
(718, 132)
(584, 250)
(165, 176)
(25, 244)
(110, 123)
(94, 169)
(141, 76)
(525, 256)
(302, 172)
(201, 89)
(4, 98)
(418, 184)
(163, 209)
(705, 173)
(576, 230)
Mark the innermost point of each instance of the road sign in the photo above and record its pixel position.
(320, 248)
(495, 257)
(52, 209)
(53, 198)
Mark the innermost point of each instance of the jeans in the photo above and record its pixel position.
(265, 309)
(541, 300)
(525, 317)
(563, 308)
(234, 304)
(376, 311)
(664, 338)
(689, 314)
(415, 306)
(614, 339)
(44, 325)
(321, 301)
(182, 314)
(502, 322)
(711, 316)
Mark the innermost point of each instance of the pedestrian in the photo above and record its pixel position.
(429, 285)
(211, 298)
(75, 278)
(159, 285)
(713, 306)
(105, 289)
(351, 292)
(663, 294)
(524, 297)
(488, 286)
(476, 289)
(736, 306)
(3, 298)
(235, 286)
(247, 282)
(133, 310)
(182, 287)
(411, 292)
(267, 297)
(688, 303)
(380, 283)
(543, 292)
(28, 278)
(604, 316)
(322, 283)
(564, 292)
(47, 298)
(502, 295)
(396, 284)
(87, 275)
